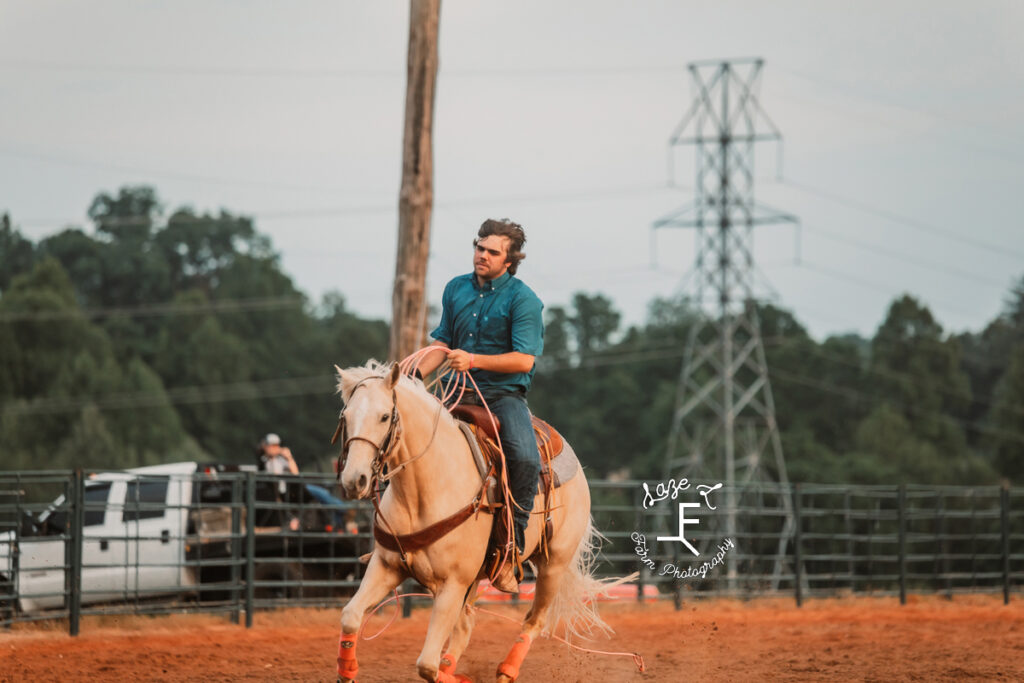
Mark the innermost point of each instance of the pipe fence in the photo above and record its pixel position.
(233, 542)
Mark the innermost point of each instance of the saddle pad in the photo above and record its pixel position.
(563, 466)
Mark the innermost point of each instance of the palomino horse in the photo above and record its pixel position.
(393, 421)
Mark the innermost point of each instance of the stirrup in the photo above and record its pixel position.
(507, 580)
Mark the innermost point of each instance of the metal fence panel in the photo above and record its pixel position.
(232, 542)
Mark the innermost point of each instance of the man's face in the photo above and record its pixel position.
(490, 257)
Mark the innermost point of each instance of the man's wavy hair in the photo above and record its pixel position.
(516, 238)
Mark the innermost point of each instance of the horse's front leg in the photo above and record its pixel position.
(378, 581)
(460, 634)
(447, 609)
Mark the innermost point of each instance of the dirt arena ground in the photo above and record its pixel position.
(864, 639)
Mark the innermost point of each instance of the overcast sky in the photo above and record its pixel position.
(903, 147)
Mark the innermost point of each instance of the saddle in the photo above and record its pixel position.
(558, 466)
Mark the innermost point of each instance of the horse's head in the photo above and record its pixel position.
(370, 421)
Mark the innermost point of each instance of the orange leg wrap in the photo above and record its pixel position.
(447, 664)
(347, 665)
(510, 667)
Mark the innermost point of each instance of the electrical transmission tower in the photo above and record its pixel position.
(723, 425)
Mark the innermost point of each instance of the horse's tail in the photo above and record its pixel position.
(575, 604)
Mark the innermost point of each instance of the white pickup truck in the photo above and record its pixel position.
(147, 531)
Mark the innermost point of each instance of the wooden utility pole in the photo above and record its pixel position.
(416, 198)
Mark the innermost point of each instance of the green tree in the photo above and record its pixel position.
(593, 322)
(16, 253)
(916, 374)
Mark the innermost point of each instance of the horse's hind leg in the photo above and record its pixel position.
(376, 584)
(549, 579)
(447, 609)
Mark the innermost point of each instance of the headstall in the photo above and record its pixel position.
(386, 446)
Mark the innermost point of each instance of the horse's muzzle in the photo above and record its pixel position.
(356, 488)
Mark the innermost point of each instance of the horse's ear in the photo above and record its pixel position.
(342, 380)
(396, 372)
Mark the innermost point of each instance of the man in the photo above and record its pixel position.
(491, 325)
(275, 458)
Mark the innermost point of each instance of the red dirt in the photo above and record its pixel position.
(930, 639)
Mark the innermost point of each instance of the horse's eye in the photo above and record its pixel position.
(384, 417)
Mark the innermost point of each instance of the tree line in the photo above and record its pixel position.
(152, 339)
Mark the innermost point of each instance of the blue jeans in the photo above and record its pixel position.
(521, 456)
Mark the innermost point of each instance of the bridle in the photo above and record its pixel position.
(383, 453)
(387, 444)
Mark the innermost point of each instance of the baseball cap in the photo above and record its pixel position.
(272, 440)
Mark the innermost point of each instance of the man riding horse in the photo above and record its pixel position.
(492, 326)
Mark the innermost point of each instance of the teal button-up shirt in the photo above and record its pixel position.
(501, 316)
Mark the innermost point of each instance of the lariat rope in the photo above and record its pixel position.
(453, 385)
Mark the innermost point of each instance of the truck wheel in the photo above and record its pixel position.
(283, 579)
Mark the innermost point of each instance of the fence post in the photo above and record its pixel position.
(406, 602)
(638, 503)
(73, 552)
(250, 544)
(236, 548)
(797, 555)
(901, 516)
(1004, 523)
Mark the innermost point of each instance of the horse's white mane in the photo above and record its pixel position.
(350, 377)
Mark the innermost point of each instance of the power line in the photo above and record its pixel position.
(807, 381)
(859, 395)
(328, 212)
(893, 253)
(845, 89)
(317, 384)
(209, 393)
(841, 275)
(321, 72)
(894, 217)
(175, 175)
(148, 310)
(821, 353)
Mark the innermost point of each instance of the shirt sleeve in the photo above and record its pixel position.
(527, 324)
(443, 331)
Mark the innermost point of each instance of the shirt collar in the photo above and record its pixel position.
(495, 284)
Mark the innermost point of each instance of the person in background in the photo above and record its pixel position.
(277, 459)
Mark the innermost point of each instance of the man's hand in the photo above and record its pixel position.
(431, 361)
(460, 360)
(293, 467)
(505, 363)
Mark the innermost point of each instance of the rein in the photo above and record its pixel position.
(387, 446)
(387, 536)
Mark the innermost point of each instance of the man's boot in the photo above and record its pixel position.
(506, 580)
